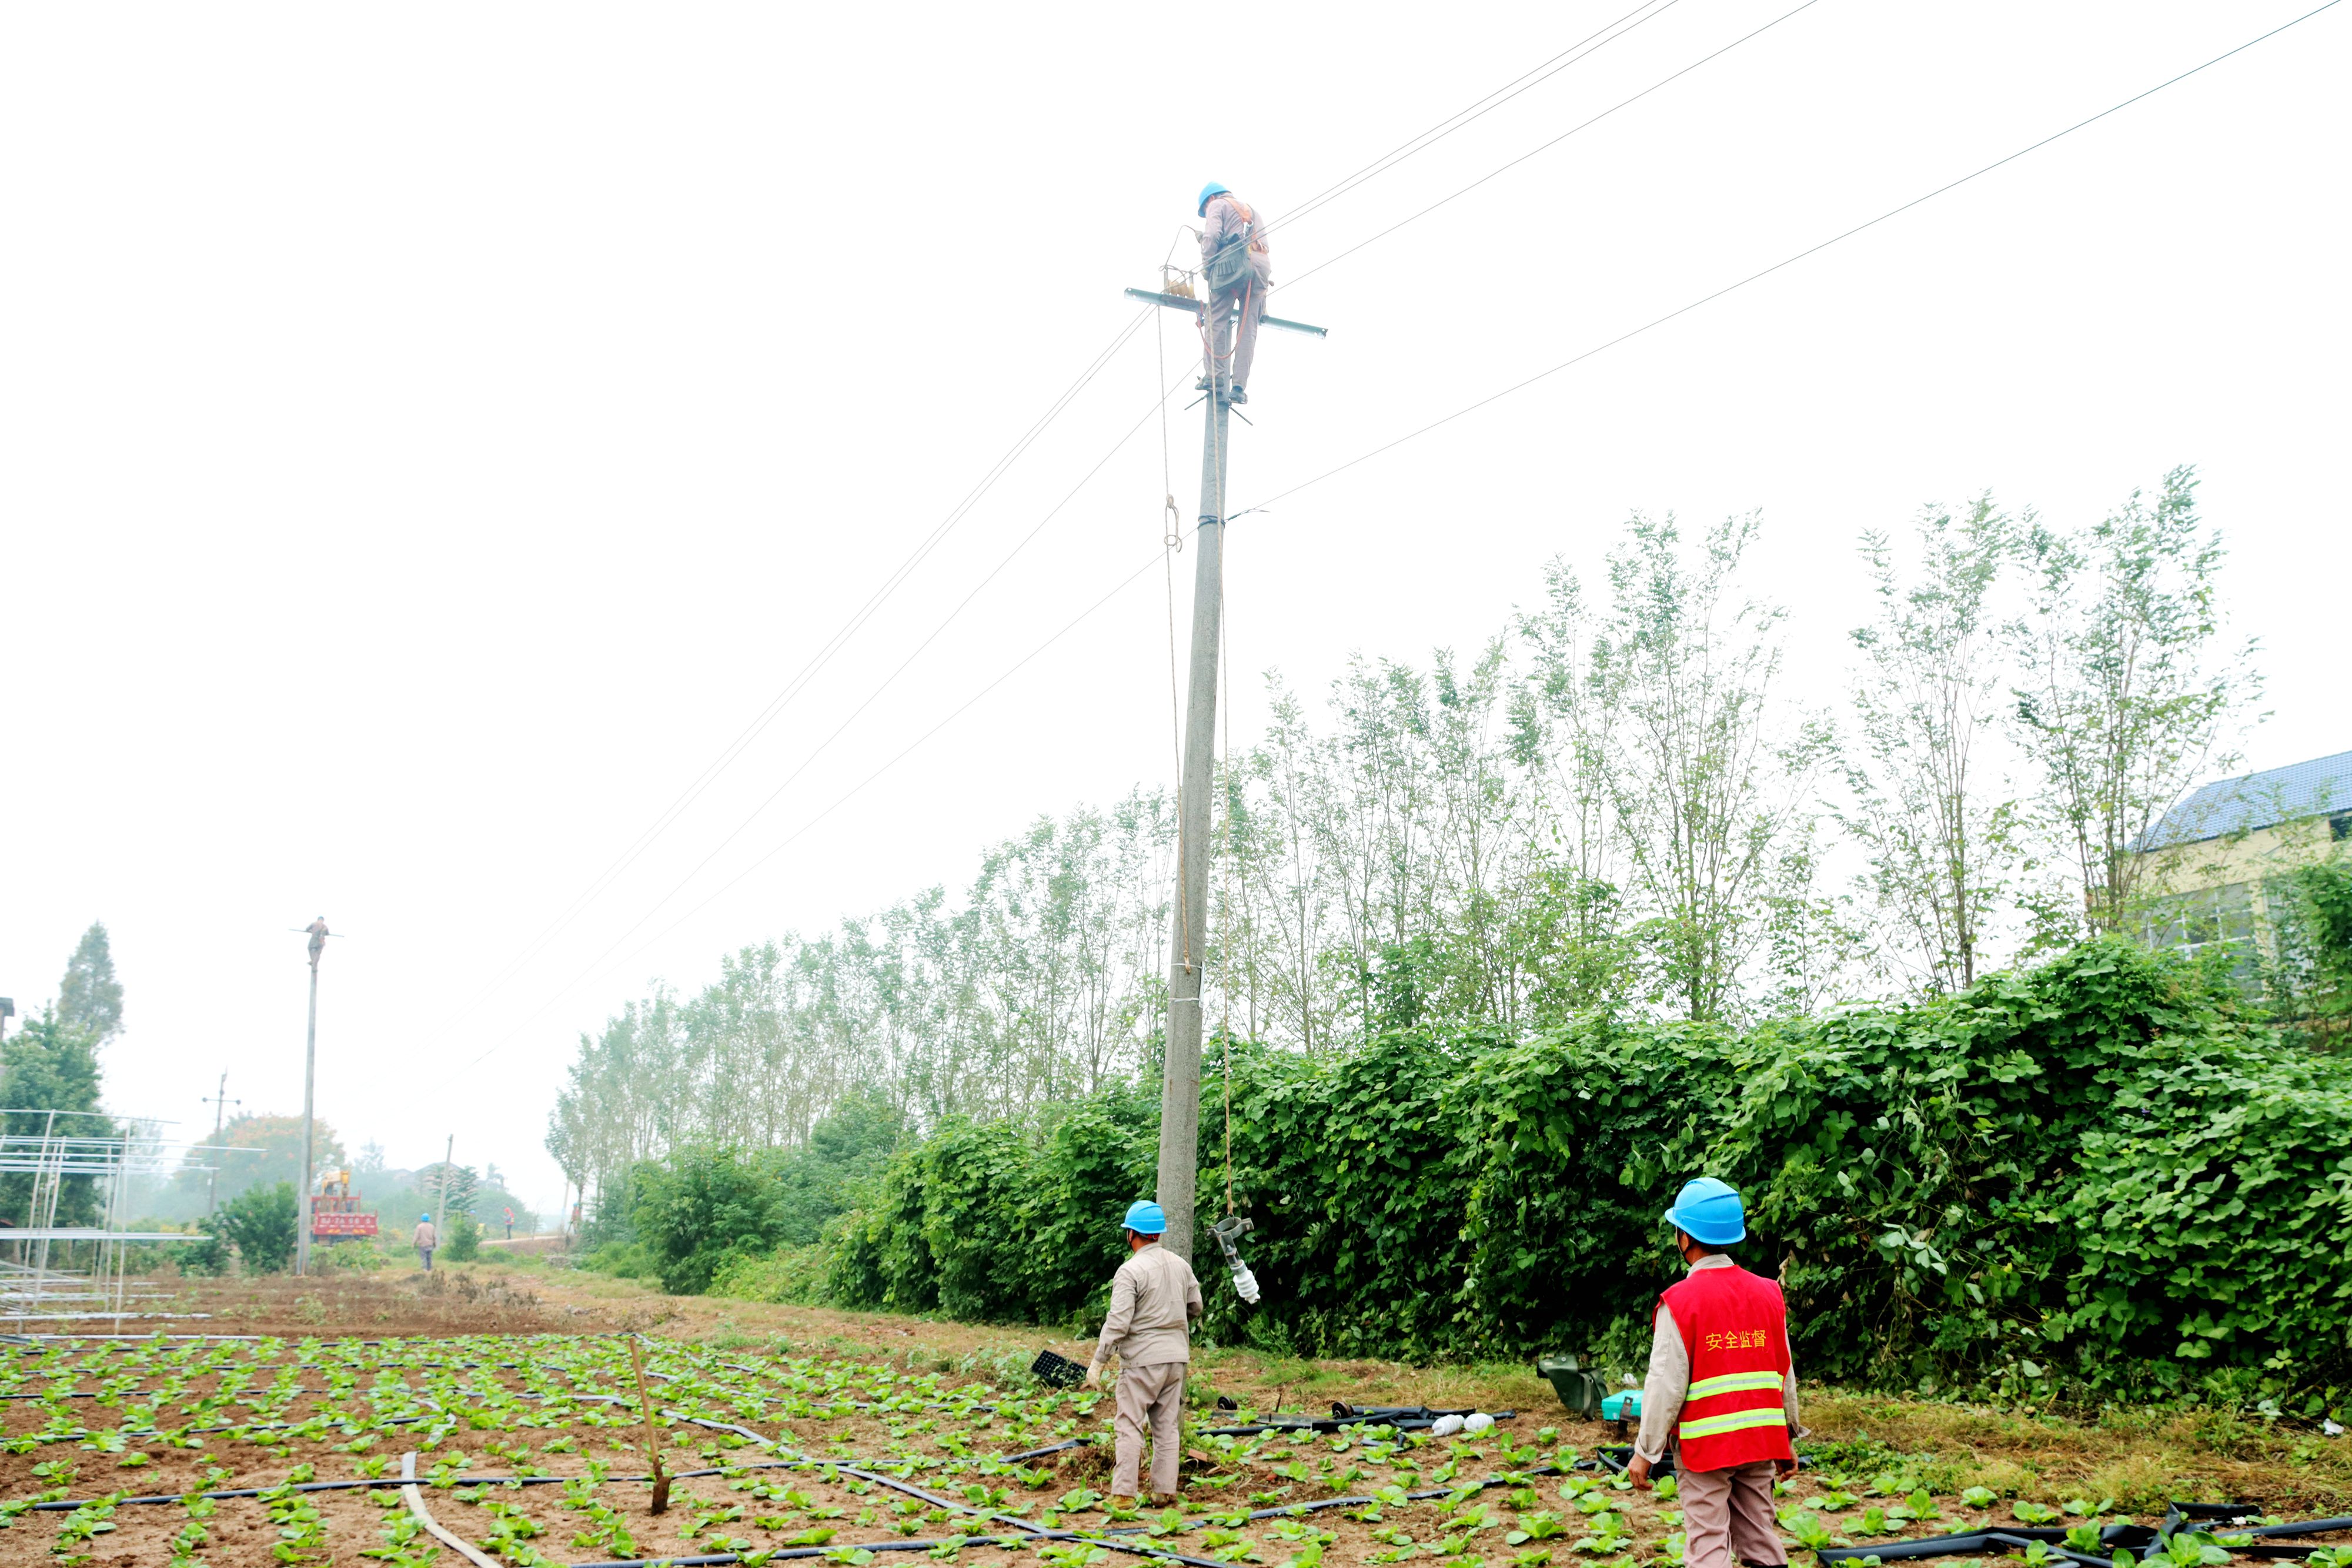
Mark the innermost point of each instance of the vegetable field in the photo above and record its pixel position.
(534, 1449)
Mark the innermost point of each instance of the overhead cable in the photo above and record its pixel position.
(808, 671)
(1591, 43)
(1790, 260)
(871, 698)
(797, 833)
(1545, 146)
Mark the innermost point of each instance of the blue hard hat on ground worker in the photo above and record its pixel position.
(1708, 1212)
(1210, 189)
(1146, 1218)
(424, 1220)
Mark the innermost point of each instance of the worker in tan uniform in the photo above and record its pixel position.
(1153, 1300)
(1239, 270)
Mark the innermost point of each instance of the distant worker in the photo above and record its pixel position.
(509, 1224)
(1238, 270)
(426, 1239)
(318, 930)
(1153, 1300)
(1722, 1385)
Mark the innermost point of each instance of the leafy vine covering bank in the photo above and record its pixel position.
(2092, 1175)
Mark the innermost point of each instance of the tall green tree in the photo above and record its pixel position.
(2126, 696)
(49, 1083)
(1924, 804)
(1710, 792)
(90, 999)
(254, 1150)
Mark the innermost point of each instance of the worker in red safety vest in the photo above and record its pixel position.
(1722, 1386)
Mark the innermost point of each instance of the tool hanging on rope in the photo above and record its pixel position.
(1227, 1231)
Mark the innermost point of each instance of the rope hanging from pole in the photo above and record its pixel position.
(1224, 911)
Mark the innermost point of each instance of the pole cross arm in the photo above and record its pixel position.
(1182, 302)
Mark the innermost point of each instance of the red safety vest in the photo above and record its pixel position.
(1735, 1327)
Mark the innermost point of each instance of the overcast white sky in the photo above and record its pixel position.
(428, 435)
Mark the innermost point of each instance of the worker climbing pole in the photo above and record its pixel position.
(1237, 272)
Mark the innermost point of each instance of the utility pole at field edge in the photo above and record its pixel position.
(220, 1105)
(318, 930)
(441, 1203)
(1179, 1080)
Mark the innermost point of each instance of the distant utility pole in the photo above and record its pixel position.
(1180, 1082)
(318, 929)
(220, 1105)
(441, 1204)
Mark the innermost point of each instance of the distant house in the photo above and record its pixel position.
(2221, 860)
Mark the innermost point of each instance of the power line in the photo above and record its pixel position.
(1792, 260)
(871, 698)
(854, 790)
(1545, 146)
(1479, 109)
(809, 671)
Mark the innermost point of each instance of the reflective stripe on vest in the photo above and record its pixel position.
(1732, 1421)
(1733, 1383)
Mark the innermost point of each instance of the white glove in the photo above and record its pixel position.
(1478, 1422)
(1445, 1425)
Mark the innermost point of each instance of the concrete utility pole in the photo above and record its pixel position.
(1180, 1081)
(220, 1104)
(318, 929)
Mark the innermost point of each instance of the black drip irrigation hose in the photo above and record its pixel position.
(393, 1483)
(1376, 1417)
(2149, 1544)
(1024, 1457)
(2122, 1536)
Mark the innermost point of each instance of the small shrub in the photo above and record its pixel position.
(260, 1223)
(465, 1242)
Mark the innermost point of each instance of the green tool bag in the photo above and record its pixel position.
(1230, 267)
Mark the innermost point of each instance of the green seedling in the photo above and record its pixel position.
(1807, 1528)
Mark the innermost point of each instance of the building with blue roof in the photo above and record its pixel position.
(2223, 859)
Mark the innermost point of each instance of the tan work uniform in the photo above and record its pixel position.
(425, 1240)
(1229, 355)
(1153, 1300)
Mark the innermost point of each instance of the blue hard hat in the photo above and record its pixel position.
(1708, 1212)
(424, 1220)
(1210, 189)
(1146, 1218)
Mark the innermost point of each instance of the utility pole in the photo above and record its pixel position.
(441, 1204)
(220, 1105)
(1179, 1080)
(318, 929)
